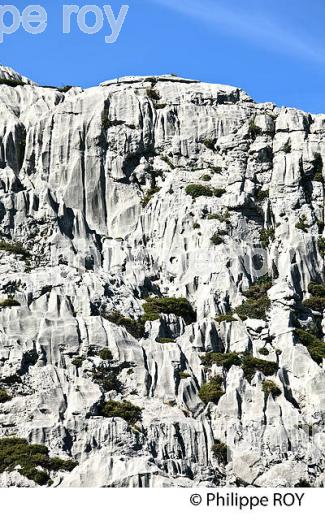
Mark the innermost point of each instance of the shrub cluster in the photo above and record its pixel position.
(149, 195)
(266, 237)
(15, 452)
(225, 317)
(225, 360)
(133, 327)
(200, 190)
(317, 300)
(14, 248)
(251, 365)
(269, 387)
(212, 391)
(257, 304)
(4, 396)
(314, 345)
(124, 409)
(220, 451)
(153, 307)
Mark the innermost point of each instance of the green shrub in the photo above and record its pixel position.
(321, 246)
(184, 375)
(316, 289)
(153, 307)
(205, 177)
(153, 94)
(302, 224)
(217, 239)
(261, 195)
(169, 162)
(263, 351)
(4, 396)
(259, 288)
(210, 144)
(255, 309)
(14, 248)
(133, 327)
(314, 345)
(11, 82)
(269, 387)
(165, 340)
(318, 168)
(266, 237)
(251, 365)
(77, 362)
(225, 217)
(216, 169)
(149, 195)
(225, 360)
(287, 147)
(9, 303)
(124, 409)
(253, 129)
(218, 192)
(15, 452)
(198, 190)
(105, 354)
(106, 378)
(220, 451)
(257, 304)
(212, 391)
(196, 225)
(225, 317)
(315, 303)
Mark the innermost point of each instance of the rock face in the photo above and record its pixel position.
(96, 216)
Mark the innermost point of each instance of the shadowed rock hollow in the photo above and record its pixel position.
(161, 187)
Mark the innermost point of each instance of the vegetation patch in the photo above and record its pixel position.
(225, 317)
(262, 195)
(4, 396)
(12, 82)
(184, 375)
(198, 190)
(302, 224)
(206, 178)
(133, 327)
(251, 365)
(153, 94)
(15, 248)
(77, 362)
(212, 391)
(105, 354)
(217, 238)
(321, 246)
(266, 237)
(254, 130)
(210, 144)
(318, 168)
(27, 458)
(269, 387)
(263, 351)
(257, 304)
(168, 162)
(9, 303)
(153, 307)
(124, 409)
(220, 451)
(287, 148)
(254, 308)
(225, 360)
(149, 195)
(314, 345)
(165, 340)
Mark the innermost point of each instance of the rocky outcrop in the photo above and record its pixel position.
(96, 215)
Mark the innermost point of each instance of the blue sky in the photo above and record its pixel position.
(273, 49)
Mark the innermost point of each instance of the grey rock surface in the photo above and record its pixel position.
(75, 169)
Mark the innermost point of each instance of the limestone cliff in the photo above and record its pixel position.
(157, 187)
